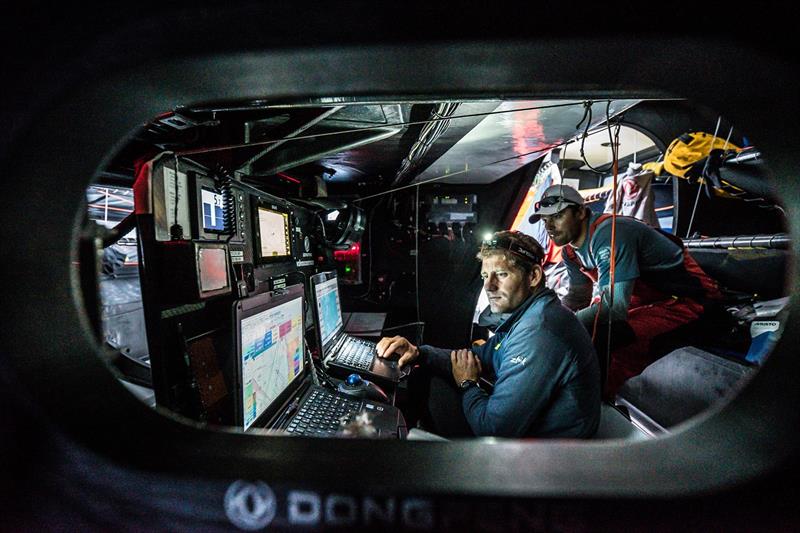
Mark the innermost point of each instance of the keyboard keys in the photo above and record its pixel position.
(357, 353)
(323, 414)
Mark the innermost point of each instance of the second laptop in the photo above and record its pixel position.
(337, 348)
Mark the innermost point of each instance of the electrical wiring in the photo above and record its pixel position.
(587, 117)
(318, 373)
(408, 123)
(467, 170)
(459, 172)
(366, 128)
(432, 130)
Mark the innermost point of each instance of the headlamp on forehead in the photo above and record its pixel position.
(506, 243)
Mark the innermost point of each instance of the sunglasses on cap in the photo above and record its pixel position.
(550, 201)
(507, 243)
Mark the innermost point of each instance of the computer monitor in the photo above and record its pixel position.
(272, 233)
(269, 344)
(328, 311)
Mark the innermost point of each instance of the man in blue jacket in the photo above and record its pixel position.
(546, 373)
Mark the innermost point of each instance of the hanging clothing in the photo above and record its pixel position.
(635, 196)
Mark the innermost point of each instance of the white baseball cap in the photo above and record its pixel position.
(555, 199)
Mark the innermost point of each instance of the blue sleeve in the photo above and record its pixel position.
(627, 263)
(623, 290)
(524, 386)
(438, 358)
(484, 353)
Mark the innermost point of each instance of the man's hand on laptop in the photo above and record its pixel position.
(390, 347)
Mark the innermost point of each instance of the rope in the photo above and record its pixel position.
(613, 259)
(705, 167)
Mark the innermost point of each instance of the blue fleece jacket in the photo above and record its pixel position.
(547, 375)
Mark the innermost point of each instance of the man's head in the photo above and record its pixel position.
(563, 213)
(511, 268)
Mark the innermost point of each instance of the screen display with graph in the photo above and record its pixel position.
(272, 355)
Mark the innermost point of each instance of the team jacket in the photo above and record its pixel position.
(547, 376)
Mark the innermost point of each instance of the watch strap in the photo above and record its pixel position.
(467, 383)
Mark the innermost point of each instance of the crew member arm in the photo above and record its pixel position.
(579, 294)
(626, 272)
(439, 358)
(623, 290)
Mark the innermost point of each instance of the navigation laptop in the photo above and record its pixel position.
(337, 348)
(274, 384)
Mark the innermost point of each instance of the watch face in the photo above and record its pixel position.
(467, 383)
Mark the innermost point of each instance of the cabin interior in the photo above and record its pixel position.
(144, 143)
(212, 204)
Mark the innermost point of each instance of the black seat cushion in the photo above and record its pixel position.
(682, 384)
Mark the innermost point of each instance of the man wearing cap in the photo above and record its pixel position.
(657, 286)
(545, 370)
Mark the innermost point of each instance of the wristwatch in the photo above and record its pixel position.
(467, 383)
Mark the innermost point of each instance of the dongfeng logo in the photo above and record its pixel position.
(250, 506)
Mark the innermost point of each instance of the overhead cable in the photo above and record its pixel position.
(368, 128)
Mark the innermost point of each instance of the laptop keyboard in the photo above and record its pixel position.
(357, 353)
(323, 414)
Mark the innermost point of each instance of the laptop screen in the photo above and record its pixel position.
(270, 346)
(329, 312)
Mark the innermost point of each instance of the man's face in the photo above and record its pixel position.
(564, 227)
(507, 287)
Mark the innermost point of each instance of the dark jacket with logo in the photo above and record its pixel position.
(547, 375)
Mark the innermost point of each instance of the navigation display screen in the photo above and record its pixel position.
(453, 208)
(213, 219)
(272, 355)
(273, 229)
(329, 310)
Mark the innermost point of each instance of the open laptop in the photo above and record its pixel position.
(339, 350)
(274, 384)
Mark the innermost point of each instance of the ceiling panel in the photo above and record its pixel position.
(517, 133)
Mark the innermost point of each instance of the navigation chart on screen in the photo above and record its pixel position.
(274, 229)
(329, 312)
(272, 355)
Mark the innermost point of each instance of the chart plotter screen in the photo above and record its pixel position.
(272, 355)
(273, 233)
(328, 309)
